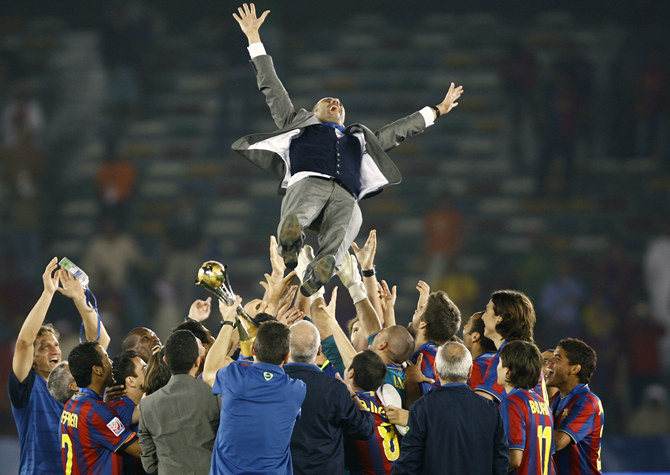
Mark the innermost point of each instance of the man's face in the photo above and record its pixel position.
(106, 366)
(413, 326)
(558, 369)
(140, 366)
(490, 321)
(147, 341)
(357, 337)
(330, 109)
(467, 338)
(547, 356)
(47, 353)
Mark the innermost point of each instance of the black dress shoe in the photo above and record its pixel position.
(318, 276)
(290, 241)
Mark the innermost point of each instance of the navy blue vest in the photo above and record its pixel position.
(318, 149)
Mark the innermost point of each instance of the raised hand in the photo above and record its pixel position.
(249, 22)
(71, 287)
(366, 254)
(200, 309)
(450, 99)
(51, 283)
(424, 292)
(276, 261)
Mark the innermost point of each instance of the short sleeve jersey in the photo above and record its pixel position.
(490, 384)
(92, 434)
(265, 401)
(580, 415)
(37, 416)
(529, 427)
(428, 350)
(479, 367)
(377, 454)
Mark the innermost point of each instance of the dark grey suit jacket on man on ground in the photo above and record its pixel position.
(178, 425)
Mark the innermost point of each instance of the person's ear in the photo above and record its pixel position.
(476, 336)
(384, 344)
(164, 360)
(575, 369)
(320, 351)
(73, 386)
(286, 356)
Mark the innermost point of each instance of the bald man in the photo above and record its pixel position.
(329, 411)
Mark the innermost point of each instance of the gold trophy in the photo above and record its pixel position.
(212, 276)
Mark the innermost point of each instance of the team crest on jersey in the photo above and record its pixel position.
(565, 413)
(268, 376)
(116, 426)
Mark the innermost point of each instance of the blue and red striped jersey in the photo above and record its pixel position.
(479, 367)
(376, 455)
(580, 415)
(529, 427)
(91, 435)
(429, 350)
(490, 384)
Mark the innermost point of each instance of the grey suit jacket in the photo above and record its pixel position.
(269, 151)
(178, 425)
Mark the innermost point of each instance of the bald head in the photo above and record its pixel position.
(304, 342)
(453, 363)
(394, 344)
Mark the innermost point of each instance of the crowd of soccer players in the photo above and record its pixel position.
(303, 396)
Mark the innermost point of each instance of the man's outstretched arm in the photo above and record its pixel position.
(276, 96)
(393, 134)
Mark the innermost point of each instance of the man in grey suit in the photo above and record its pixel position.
(324, 168)
(178, 423)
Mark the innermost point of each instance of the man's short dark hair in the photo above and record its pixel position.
(272, 343)
(369, 370)
(582, 354)
(195, 327)
(524, 361)
(477, 325)
(442, 317)
(124, 366)
(517, 312)
(181, 351)
(82, 359)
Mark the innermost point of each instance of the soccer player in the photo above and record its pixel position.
(578, 413)
(481, 348)
(92, 434)
(526, 417)
(435, 321)
(509, 315)
(37, 353)
(377, 454)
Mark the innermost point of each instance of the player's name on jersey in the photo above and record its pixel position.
(369, 406)
(69, 419)
(539, 408)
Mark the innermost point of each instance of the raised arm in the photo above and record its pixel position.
(276, 97)
(217, 356)
(351, 278)
(326, 316)
(393, 134)
(24, 352)
(366, 258)
(72, 288)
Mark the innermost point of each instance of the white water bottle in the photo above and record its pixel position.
(75, 270)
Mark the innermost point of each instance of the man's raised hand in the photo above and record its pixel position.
(450, 99)
(249, 22)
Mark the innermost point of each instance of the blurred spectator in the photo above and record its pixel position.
(114, 258)
(116, 180)
(519, 78)
(563, 117)
(22, 114)
(23, 165)
(443, 226)
(657, 279)
(651, 106)
(461, 286)
(185, 249)
(652, 416)
(561, 302)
